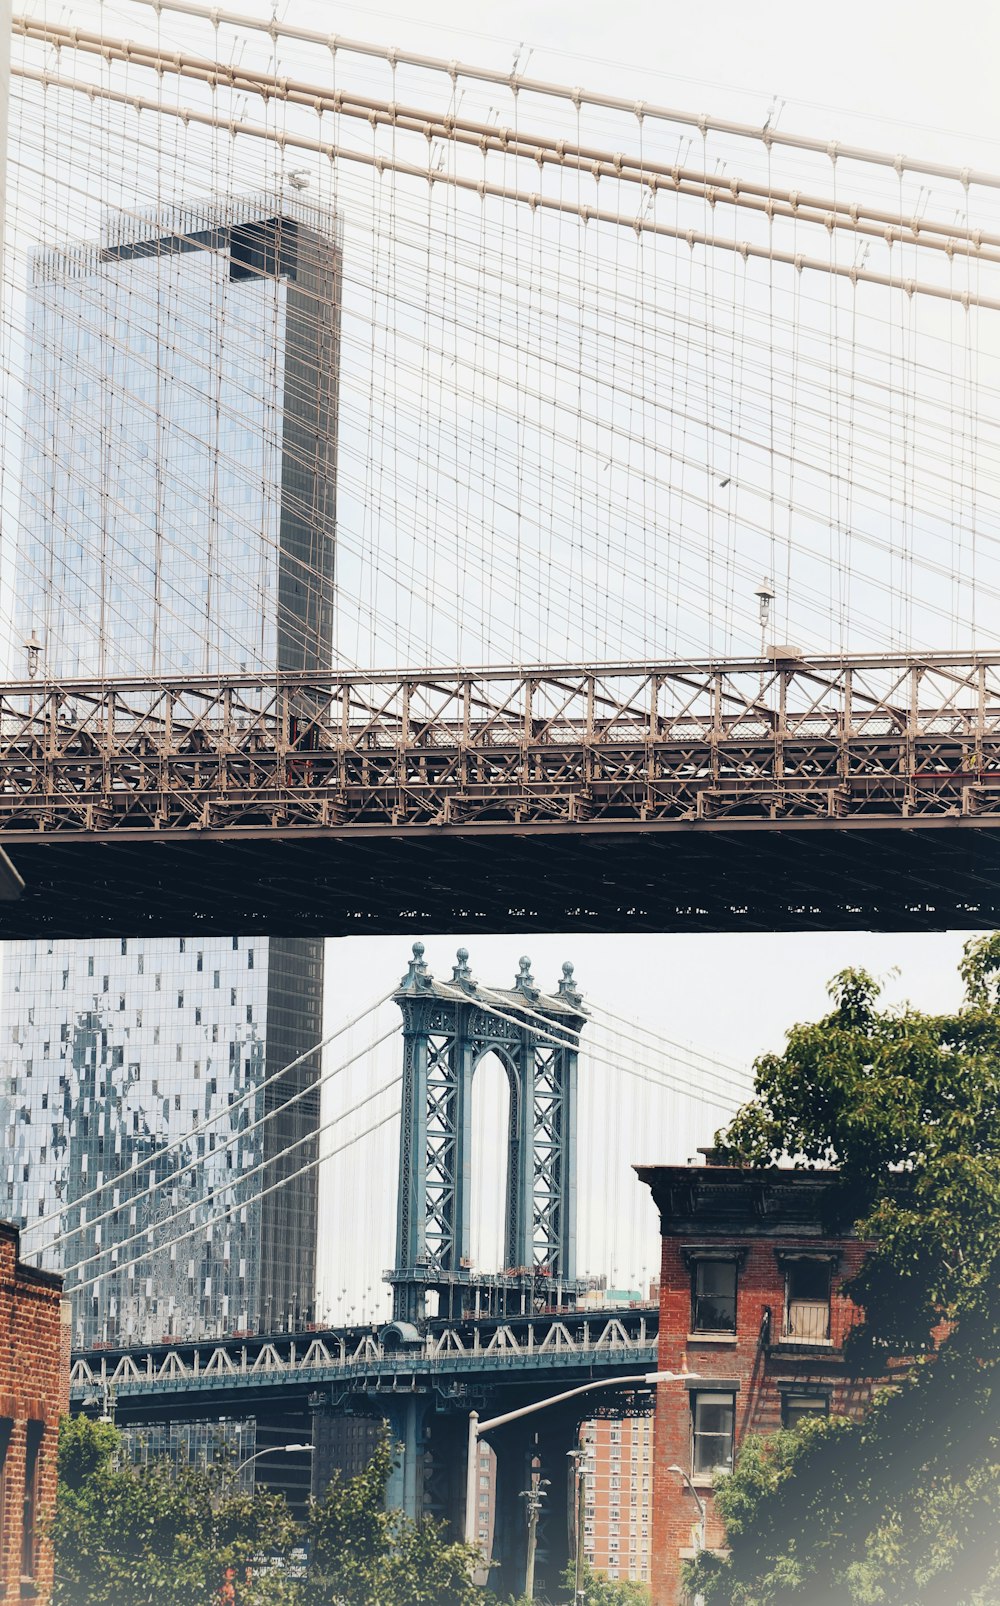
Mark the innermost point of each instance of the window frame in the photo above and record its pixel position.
(697, 1265)
(808, 1402)
(791, 1264)
(700, 1398)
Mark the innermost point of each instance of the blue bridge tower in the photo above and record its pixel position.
(447, 1032)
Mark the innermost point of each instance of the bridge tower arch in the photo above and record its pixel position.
(447, 1030)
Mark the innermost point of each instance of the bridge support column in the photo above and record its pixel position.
(407, 1424)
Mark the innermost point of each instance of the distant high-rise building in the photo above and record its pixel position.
(618, 1495)
(178, 517)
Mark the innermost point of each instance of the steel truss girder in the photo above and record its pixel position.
(867, 739)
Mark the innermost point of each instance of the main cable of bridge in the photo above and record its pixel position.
(828, 211)
(394, 57)
(717, 1070)
(558, 1036)
(535, 200)
(208, 1223)
(168, 1182)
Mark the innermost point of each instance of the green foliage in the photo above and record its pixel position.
(158, 1533)
(362, 1555)
(601, 1591)
(166, 1535)
(903, 1507)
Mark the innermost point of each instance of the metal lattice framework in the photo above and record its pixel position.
(447, 1033)
(783, 793)
(550, 1342)
(804, 740)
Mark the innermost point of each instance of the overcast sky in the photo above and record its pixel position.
(911, 75)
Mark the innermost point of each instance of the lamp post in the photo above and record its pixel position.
(579, 1460)
(533, 1498)
(270, 1449)
(477, 1429)
(699, 1502)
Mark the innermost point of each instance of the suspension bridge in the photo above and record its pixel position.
(461, 1337)
(436, 497)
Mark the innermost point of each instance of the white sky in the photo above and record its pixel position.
(862, 71)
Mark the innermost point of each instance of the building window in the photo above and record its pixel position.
(32, 1471)
(807, 1300)
(713, 1305)
(714, 1416)
(796, 1408)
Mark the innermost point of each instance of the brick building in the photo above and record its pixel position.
(751, 1299)
(34, 1392)
(618, 1495)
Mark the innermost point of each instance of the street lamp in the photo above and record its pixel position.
(33, 652)
(270, 1449)
(579, 1460)
(699, 1502)
(533, 1499)
(477, 1428)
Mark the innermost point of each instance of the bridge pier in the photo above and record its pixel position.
(407, 1418)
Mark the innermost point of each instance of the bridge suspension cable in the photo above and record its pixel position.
(517, 82)
(252, 1093)
(641, 1072)
(208, 1223)
(82, 580)
(553, 440)
(732, 1079)
(238, 1136)
(829, 212)
(535, 200)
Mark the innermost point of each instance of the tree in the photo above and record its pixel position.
(362, 1555)
(159, 1534)
(902, 1507)
(598, 1590)
(601, 1591)
(165, 1535)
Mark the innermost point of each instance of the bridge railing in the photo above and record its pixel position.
(455, 1350)
(776, 738)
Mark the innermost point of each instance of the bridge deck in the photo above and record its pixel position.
(823, 793)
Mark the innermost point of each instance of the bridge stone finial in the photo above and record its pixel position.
(418, 977)
(461, 974)
(524, 981)
(567, 985)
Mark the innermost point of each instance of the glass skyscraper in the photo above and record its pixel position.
(177, 516)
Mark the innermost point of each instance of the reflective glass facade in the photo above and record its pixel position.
(178, 514)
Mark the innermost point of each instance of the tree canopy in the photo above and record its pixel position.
(165, 1535)
(902, 1507)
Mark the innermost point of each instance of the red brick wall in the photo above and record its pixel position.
(757, 1371)
(34, 1389)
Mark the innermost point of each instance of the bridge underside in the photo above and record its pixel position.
(921, 875)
